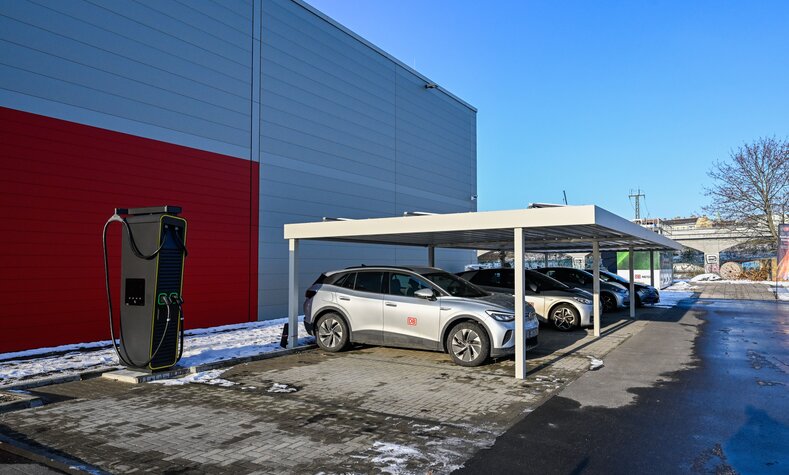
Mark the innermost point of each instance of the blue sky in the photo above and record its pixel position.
(595, 98)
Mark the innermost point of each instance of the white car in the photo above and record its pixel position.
(563, 307)
(413, 307)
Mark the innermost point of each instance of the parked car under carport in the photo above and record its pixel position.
(565, 308)
(645, 294)
(612, 295)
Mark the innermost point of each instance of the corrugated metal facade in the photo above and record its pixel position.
(348, 132)
(338, 128)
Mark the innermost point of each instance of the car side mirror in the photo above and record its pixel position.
(425, 294)
(533, 287)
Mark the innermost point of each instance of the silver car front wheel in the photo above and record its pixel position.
(564, 317)
(332, 333)
(468, 344)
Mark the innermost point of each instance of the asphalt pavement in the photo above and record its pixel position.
(702, 389)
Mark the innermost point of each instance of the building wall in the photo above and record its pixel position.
(347, 131)
(122, 104)
(248, 114)
(59, 182)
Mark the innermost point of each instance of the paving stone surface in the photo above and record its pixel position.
(733, 291)
(368, 410)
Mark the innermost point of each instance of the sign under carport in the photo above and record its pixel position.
(554, 229)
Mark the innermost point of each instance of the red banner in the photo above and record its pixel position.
(783, 252)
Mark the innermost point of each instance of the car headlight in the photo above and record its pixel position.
(583, 300)
(501, 316)
(620, 290)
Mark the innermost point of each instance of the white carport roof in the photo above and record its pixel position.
(551, 229)
(559, 229)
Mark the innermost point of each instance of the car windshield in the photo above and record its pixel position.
(455, 286)
(615, 277)
(543, 282)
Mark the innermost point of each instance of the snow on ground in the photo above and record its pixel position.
(783, 290)
(671, 296)
(680, 285)
(211, 377)
(705, 278)
(204, 345)
(281, 388)
(392, 458)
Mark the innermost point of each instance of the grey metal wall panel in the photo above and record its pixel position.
(171, 72)
(348, 132)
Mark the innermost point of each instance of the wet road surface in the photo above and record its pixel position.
(723, 408)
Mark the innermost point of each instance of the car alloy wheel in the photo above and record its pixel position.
(609, 302)
(468, 344)
(564, 317)
(332, 334)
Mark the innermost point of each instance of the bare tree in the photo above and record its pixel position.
(752, 187)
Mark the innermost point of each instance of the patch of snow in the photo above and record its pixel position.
(782, 291)
(394, 457)
(204, 345)
(671, 298)
(705, 278)
(594, 363)
(211, 377)
(679, 285)
(281, 388)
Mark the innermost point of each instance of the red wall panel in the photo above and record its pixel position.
(60, 181)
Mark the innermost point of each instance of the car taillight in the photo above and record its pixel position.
(310, 293)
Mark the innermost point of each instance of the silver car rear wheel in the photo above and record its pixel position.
(332, 333)
(468, 344)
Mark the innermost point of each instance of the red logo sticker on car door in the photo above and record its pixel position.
(412, 321)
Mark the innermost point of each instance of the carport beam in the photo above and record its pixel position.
(596, 286)
(431, 256)
(293, 293)
(631, 263)
(520, 306)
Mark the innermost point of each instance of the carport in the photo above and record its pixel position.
(560, 229)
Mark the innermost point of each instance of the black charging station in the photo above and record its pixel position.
(153, 251)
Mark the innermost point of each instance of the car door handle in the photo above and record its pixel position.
(390, 304)
(345, 298)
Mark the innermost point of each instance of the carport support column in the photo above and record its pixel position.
(293, 293)
(520, 306)
(596, 286)
(431, 256)
(631, 261)
(651, 267)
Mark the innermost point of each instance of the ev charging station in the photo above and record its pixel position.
(153, 250)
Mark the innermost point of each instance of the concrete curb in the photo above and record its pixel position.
(19, 401)
(97, 372)
(41, 455)
(139, 377)
(48, 381)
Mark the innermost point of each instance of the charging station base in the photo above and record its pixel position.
(132, 376)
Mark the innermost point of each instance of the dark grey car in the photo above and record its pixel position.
(612, 294)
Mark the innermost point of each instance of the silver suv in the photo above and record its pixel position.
(562, 306)
(413, 307)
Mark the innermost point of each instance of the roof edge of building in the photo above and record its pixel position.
(378, 50)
